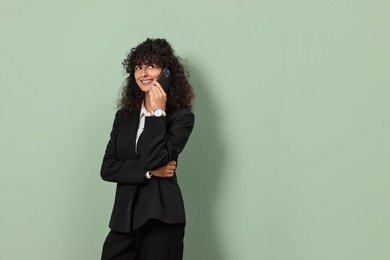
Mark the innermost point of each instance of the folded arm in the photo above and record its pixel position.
(113, 169)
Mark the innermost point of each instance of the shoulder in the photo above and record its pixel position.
(122, 116)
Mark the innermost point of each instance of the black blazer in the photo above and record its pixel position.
(138, 199)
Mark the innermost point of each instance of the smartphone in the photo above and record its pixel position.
(165, 79)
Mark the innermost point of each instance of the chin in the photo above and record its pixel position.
(145, 89)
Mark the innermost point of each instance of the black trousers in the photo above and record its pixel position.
(153, 241)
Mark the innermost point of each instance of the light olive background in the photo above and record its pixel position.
(289, 158)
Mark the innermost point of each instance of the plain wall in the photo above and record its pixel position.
(289, 158)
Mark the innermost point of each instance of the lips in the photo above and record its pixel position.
(147, 81)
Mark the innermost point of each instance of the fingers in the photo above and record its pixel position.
(170, 168)
(157, 90)
(165, 171)
(158, 97)
(158, 87)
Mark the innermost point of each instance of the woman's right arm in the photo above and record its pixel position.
(127, 171)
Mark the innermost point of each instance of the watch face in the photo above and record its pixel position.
(158, 112)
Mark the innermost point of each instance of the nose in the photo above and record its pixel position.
(144, 71)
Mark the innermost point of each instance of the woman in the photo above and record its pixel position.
(150, 130)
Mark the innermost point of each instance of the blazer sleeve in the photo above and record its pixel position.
(129, 171)
(165, 137)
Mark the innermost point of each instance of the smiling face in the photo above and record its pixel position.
(145, 75)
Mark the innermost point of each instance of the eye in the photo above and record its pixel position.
(137, 67)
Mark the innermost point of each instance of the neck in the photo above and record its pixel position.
(147, 103)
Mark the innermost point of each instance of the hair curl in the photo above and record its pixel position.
(160, 53)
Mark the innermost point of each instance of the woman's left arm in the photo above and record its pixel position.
(165, 137)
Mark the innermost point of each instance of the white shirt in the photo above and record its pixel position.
(141, 125)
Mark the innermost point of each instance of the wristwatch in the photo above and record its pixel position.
(148, 175)
(158, 112)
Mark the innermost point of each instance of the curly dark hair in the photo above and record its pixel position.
(160, 53)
